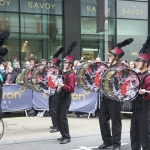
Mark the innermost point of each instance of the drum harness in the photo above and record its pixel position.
(138, 102)
(64, 94)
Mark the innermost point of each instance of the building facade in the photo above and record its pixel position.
(42, 26)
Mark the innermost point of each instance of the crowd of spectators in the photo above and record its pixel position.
(12, 72)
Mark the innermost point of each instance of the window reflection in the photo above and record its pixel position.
(136, 29)
(43, 33)
(92, 42)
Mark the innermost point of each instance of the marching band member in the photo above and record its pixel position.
(140, 120)
(111, 109)
(65, 96)
(53, 99)
(4, 34)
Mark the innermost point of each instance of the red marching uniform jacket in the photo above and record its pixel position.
(146, 85)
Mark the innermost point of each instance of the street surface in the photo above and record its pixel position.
(33, 134)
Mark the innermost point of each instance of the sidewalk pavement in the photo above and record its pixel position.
(23, 129)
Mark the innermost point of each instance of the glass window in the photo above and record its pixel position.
(89, 38)
(92, 42)
(40, 34)
(136, 29)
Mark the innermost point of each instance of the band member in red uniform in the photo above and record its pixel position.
(54, 99)
(111, 109)
(140, 120)
(65, 96)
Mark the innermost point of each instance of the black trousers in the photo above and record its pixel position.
(62, 111)
(140, 128)
(1, 93)
(53, 102)
(110, 109)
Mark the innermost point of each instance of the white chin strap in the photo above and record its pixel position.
(113, 60)
(142, 65)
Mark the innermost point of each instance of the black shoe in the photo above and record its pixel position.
(103, 146)
(64, 141)
(61, 138)
(54, 130)
(51, 127)
(116, 148)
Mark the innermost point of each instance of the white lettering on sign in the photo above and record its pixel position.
(5, 2)
(132, 10)
(41, 5)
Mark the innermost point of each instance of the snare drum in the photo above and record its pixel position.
(120, 84)
(46, 79)
(34, 77)
(81, 73)
(54, 76)
(27, 74)
(89, 75)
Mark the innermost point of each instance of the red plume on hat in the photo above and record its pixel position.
(118, 51)
(68, 57)
(55, 59)
(145, 51)
(4, 34)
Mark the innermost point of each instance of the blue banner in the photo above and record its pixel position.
(83, 101)
(40, 100)
(16, 97)
(19, 97)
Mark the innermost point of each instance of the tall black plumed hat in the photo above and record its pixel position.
(144, 53)
(55, 59)
(68, 57)
(118, 51)
(61, 49)
(4, 34)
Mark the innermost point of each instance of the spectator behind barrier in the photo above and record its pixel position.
(26, 65)
(75, 66)
(32, 111)
(43, 61)
(3, 71)
(15, 60)
(33, 57)
(9, 70)
(19, 79)
(48, 64)
(125, 63)
(132, 66)
(14, 74)
(32, 61)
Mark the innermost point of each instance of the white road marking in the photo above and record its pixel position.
(90, 148)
